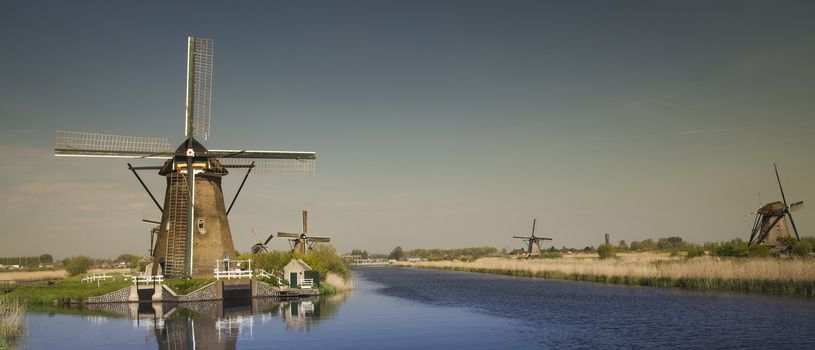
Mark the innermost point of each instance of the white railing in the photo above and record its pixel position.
(230, 274)
(146, 279)
(264, 274)
(96, 277)
(229, 269)
(307, 283)
(369, 262)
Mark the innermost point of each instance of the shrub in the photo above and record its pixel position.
(694, 252)
(787, 241)
(606, 251)
(734, 248)
(324, 259)
(550, 255)
(802, 248)
(77, 265)
(272, 262)
(759, 251)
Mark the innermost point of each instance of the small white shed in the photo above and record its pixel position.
(294, 271)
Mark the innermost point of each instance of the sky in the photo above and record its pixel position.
(436, 123)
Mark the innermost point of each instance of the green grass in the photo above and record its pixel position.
(64, 291)
(327, 289)
(185, 286)
(804, 288)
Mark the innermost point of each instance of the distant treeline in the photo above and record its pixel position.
(455, 253)
(27, 261)
(675, 245)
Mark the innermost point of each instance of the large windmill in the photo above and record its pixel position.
(194, 229)
(533, 242)
(771, 219)
(302, 242)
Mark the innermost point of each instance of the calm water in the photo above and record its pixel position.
(406, 309)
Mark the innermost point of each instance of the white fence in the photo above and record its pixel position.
(264, 274)
(307, 283)
(97, 277)
(147, 279)
(229, 269)
(230, 274)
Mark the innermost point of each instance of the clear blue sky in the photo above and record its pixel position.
(436, 123)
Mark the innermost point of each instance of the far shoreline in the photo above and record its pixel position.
(769, 276)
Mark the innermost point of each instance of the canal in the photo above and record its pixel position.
(398, 308)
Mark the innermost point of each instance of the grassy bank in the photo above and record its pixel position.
(759, 275)
(43, 275)
(69, 290)
(12, 313)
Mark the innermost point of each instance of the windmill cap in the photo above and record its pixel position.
(774, 208)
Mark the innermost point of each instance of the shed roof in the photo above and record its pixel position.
(299, 262)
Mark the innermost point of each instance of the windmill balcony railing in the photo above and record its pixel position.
(147, 279)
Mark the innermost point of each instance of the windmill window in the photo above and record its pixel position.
(200, 224)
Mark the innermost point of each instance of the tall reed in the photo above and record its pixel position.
(765, 275)
(12, 313)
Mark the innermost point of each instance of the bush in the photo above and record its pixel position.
(802, 248)
(77, 265)
(550, 255)
(694, 252)
(272, 262)
(759, 251)
(734, 248)
(787, 241)
(606, 251)
(324, 259)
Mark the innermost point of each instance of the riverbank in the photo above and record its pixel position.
(72, 291)
(67, 291)
(44, 275)
(756, 275)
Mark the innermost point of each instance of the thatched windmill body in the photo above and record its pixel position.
(194, 228)
(771, 219)
(533, 242)
(302, 242)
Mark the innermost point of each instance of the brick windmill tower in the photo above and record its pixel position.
(194, 227)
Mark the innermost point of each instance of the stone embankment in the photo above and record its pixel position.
(212, 291)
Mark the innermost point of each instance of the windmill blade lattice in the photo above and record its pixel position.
(199, 87)
(86, 144)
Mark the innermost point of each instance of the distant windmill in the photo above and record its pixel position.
(533, 242)
(260, 246)
(771, 219)
(194, 229)
(302, 242)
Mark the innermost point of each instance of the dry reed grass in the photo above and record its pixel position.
(648, 265)
(12, 313)
(340, 283)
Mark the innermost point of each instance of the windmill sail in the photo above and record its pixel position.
(86, 144)
(199, 87)
(268, 162)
